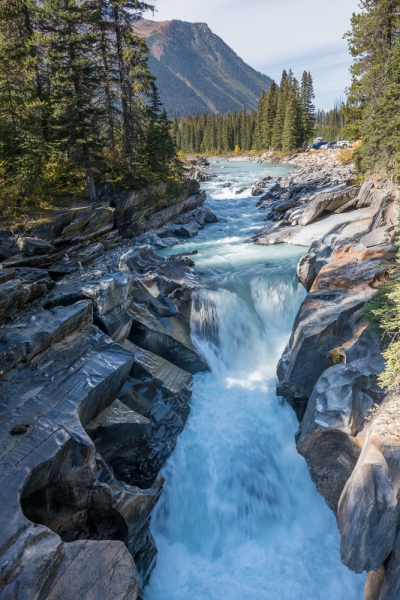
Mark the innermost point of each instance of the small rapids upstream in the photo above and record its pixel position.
(240, 518)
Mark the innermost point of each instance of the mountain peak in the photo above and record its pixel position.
(196, 70)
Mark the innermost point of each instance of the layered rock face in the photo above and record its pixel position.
(349, 428)
(96, 369)
(76, 237)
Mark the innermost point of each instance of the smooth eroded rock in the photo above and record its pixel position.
(367, 514)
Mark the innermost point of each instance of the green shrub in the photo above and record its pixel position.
(383, 315)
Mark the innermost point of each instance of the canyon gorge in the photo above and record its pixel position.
(140, 341)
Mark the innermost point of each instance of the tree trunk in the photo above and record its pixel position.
(91, 186)
(107, 88)
(123, 83)
(85, 149)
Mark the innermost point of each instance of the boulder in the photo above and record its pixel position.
(368, 528)
(323, 323)
(86, 256)
(331, 456)
(119, 434)
(33, 246)
(169, 337)
(7, 275)
(189, 230)
(345, 393)
(83, 225)
(158, 275)
(192, 186)
(327, 201)
(27, 336)
(337, 409)
(349, 223)
(377, 237)
(201, 216)
(306, 272)
(109, 291)
(160, 392)
(257, 191)
(116, 323)
(17, 293)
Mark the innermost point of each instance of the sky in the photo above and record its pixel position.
(272, 35)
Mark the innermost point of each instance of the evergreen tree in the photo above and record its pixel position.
(270, 115)
(381, 146)
(292, 134)
(159, 149)
(23, 98)
(260, 123)
(307, 107)
(76, 78)
(261, 130)
(280, 112)
(370, 40)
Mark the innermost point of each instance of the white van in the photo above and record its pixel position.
(343, 144)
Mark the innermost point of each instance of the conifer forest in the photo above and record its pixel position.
(78, 103)
(284, 121)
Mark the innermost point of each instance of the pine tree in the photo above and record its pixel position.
(129, 48)
(258, 130)
(280, 112)
(292, 130)
(381, 146)
(270, 115)
(370, 40)
(76, 78)
(159, 149)
(23, 99)
(307, 108)
(260, 123)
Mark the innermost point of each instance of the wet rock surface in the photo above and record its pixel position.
(88, 418)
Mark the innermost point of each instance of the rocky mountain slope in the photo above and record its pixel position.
(196, 71)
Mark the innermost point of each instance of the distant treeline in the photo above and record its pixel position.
(285, 120)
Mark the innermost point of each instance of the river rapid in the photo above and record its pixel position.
(240, 518)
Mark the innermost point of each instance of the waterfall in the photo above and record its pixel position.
(240, 517)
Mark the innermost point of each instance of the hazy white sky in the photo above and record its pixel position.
(271, 35)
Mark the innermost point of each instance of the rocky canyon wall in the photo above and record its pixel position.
(349, 430)
(96, 366)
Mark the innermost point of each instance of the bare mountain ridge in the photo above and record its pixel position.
(196, 71)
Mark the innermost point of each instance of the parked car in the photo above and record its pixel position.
(328, 146)
(316, 146)
(343, 144)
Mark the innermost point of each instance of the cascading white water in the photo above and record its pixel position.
(240, 518)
